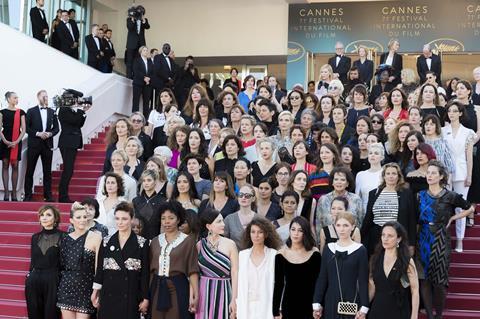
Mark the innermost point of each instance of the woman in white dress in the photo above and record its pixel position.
(256, 270)
(461, 140)
(288, 202)
(112, 194)
(370, 179)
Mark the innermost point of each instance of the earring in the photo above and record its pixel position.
(210, 233)
(398, 244)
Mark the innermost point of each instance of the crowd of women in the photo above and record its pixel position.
(270, 205)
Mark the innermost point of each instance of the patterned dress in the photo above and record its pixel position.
(78, 268)
(215, 283)
(434, 237)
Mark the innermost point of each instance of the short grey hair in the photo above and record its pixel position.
(377, 147)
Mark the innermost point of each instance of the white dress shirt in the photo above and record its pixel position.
(145, 61)
(97, 41)
(337, 60)
(429, 63)
(43, 114)
(69, 27)
(168, 61)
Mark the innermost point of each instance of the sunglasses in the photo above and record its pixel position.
(245, 195)
(333, 87)
(137, 121)
(295, 98)
(376, 122)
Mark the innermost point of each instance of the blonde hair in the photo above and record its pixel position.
(377, 146)
(138, 142)
(347, 215)
(391, 42)
(76, 206)
(339, 84)
(408, 76)
(327, 67)
(120, 153)
(287, 113)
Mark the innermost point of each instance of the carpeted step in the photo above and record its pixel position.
(15, 238)
(73, 188)
(75, 181)
(458, 301)
(31, 206)
(18, 227)
(13, 277)
(10, 309)
(13, 250)
(467, 256)
(14, 263)
(464, 285)
(80, 174)
(86, 167)
(469, 243)
(26, 216)
(463, 270)
(12, 292)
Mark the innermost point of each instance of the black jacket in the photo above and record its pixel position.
(124, 276)
(406, 216)
(136, 40)
(342, 68)
(39, 23)
(422, 68)
(72, 122)
(148, 211)
(65, 37)
(397, 65)
(34, 125)
(139, 71)
(94, 51)
(365, 70)
(162, 72)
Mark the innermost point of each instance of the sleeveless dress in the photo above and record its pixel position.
(391, 300)
(77, 271)
(215, 291)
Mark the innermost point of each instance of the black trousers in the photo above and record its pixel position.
(146, 93)
(41, 294)
(33, 153)
(68, 155)
(130, 55)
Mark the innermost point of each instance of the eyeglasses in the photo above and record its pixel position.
(283, 174)
(137, 121)
(246, 195)
(376, 122)
(295, 98)
(333, 87)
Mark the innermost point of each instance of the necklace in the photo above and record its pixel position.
(213, 245)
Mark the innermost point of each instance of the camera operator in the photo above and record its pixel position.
(71, 120)
(136, 25)
(141, 85)
(186, 77)
(95, 47)
(41, 126)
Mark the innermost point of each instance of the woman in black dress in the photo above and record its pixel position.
(393, 59)
(296, 268)
(392, 275)
(265, 166)
(222, 196)
(120, 286)
(343, 275)
(265, 206)
(232, 149)
(12, 121)
(77, 263)
(42, 281)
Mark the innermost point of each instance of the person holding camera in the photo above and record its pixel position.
(136, 25)
(42, 126)
(95, 48)
(141, 85)
(72, 120)
(68, 35)
(186, 77)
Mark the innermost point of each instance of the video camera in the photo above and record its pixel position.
(71, 97)
(136, 12)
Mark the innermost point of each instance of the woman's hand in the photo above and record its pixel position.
(232, 309)
(450, 222)
(468, 181)
(317, 314)
(192, 304)
(278, 317)
(94, 298)
(143, 306)
(360, 315)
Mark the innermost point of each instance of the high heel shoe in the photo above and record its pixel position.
(13, 198)
(6, 198)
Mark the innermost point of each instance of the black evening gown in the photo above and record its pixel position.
(294, 287)
(391, 299)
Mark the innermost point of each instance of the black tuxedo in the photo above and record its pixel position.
(140, 88)
(162, 72)
(422, 68)
(342, 68)
(94, 51)
(69, 142)
(135, 40)
(109, 54)
(66, 40)
(39, 23)
(38, 147)
(397, 65)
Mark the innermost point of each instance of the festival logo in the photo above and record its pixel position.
(296, 51)
(372, 46)
(443, 45)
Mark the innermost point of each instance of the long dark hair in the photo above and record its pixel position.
(202, 149)
(308, 241)
(192, 192)
(403, 254)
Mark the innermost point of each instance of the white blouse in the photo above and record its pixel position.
(365, 182)
(458, 144)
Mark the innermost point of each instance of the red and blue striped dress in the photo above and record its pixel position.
(215, 293)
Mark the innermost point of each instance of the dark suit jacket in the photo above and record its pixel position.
(66, 40)
(342, 68)
(39, 23)
(94, 56)
(365, 70)
(161, 71)
(72, 122)
(109, 50)
(422, 68)
(139, 71)
(397, 65)
(34, 125)
(136, 40)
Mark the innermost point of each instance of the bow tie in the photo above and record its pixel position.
(338, 56)
(43, 107)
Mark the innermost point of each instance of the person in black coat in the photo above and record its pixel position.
(141, 85)
(383, 74)
(429, 62)
(67, 34)
(164, 70)
(120, 287)
(340, 63)
(393, 59)
(95, 48)
(39, 21)
(72, 120)
(41, 126)
(135, 40)
(184, 79)
(110, 53)
(391, 201)
(365, 66)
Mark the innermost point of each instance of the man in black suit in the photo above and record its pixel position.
(95, 48)
(110, 54)
(39, 21)
(42, 126)
(429, 62)
(135, 40)
(142, 74)
(164, 69)
(340, 63)
(72, 120)
(67, 35)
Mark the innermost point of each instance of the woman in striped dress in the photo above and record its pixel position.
(218, 263)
